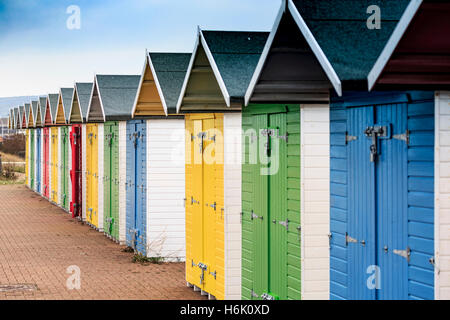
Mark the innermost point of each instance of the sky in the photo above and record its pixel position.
(39, 53)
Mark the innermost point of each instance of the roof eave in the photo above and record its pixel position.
(391, 45)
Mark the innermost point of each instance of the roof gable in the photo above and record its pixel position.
(33, 111)
(80, 102)
(42, 105)
(220, 70)
(50, 111)
(341, 32)
(161, 83)
(64, 103)
(418, 53)
(288, 70)
(112, 97)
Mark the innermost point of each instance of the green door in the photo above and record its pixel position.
(32, 159)
(65, 168)
(271, 202)
(111, 185)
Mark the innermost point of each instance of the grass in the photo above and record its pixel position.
(139, 258)
(6, 157)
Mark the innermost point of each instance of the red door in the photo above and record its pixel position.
(46, 162)
(75, 172)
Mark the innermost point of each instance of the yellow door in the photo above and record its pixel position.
(204, 224)
(27, 154)
(54, 164)
(92, 175)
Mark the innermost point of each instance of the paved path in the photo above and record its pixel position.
(39, 241)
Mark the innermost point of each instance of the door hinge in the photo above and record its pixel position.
(330, 236)
(266, 296)
(254, 295)
(432, 261)
(349, 239)
(349, 138)
(254, 216)
(403, 253)
(214, 206)
(194, 201)
(214, 274)
(285, 137)
(403, 137)
(285, 224)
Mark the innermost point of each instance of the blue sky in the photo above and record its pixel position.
(39, 54)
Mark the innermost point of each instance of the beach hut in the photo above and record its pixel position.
(51, 149)
(40, 120)
(285, 188)
(78, 111)
(110, 106)
(417, 57)
(33, 147)
(64, 159)
(163, 217)
(382, 179)
(212, 97)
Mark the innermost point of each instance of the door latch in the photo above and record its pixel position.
(374, 133)
(266, 296)
(203, 267)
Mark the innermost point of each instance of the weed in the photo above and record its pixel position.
(139, 258)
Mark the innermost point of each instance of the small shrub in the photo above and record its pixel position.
(139, 258)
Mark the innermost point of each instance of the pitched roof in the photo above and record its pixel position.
(170, 71)
(340, 29)
(21, 113)
(27, 112)
(116, 94)
(53, 100)
(33, 112)
(15, 114)
(84, 91)
(236, 54)
(42, 106)
(66, 95)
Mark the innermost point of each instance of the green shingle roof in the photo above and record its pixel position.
(236, 55)
(66, 94)
(117, 93)
(53, 99)
(170, 69)
(340, 28)
(84, 91)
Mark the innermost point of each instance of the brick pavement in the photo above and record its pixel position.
(38, 241)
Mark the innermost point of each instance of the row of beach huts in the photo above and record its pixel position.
(309, 162)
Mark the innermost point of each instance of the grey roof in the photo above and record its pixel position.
(84, 95)
(66, 94)
(340, 28)
(27, 112)
(34, 107)
(53, 99)
(16, 112)
(236, 55)
(117, 93)
(21, 112)
(170, 69)
(42, 106)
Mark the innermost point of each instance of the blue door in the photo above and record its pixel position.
(38, 160)
(382, 197)
(136, 185)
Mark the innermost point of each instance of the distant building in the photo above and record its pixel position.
(4, 130)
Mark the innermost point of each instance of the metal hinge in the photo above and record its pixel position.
(254, 295)
(330, 236)
(403, 137)
(403, 253)
(194, 201)
(266, 296)
(285, 224)
(214, 274)
(349, 239)
(213, 138)
(285, 137)
(254, 216)
(349, 138)
(214, 206)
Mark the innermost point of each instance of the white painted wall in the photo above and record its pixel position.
(232, 124)
(166, 189)
(101, 175)
(83, 169)
(442, 196)
(59, 168)
(122, 181)
(315, 201)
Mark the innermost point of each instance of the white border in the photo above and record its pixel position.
(395, 38)
(95, 85)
